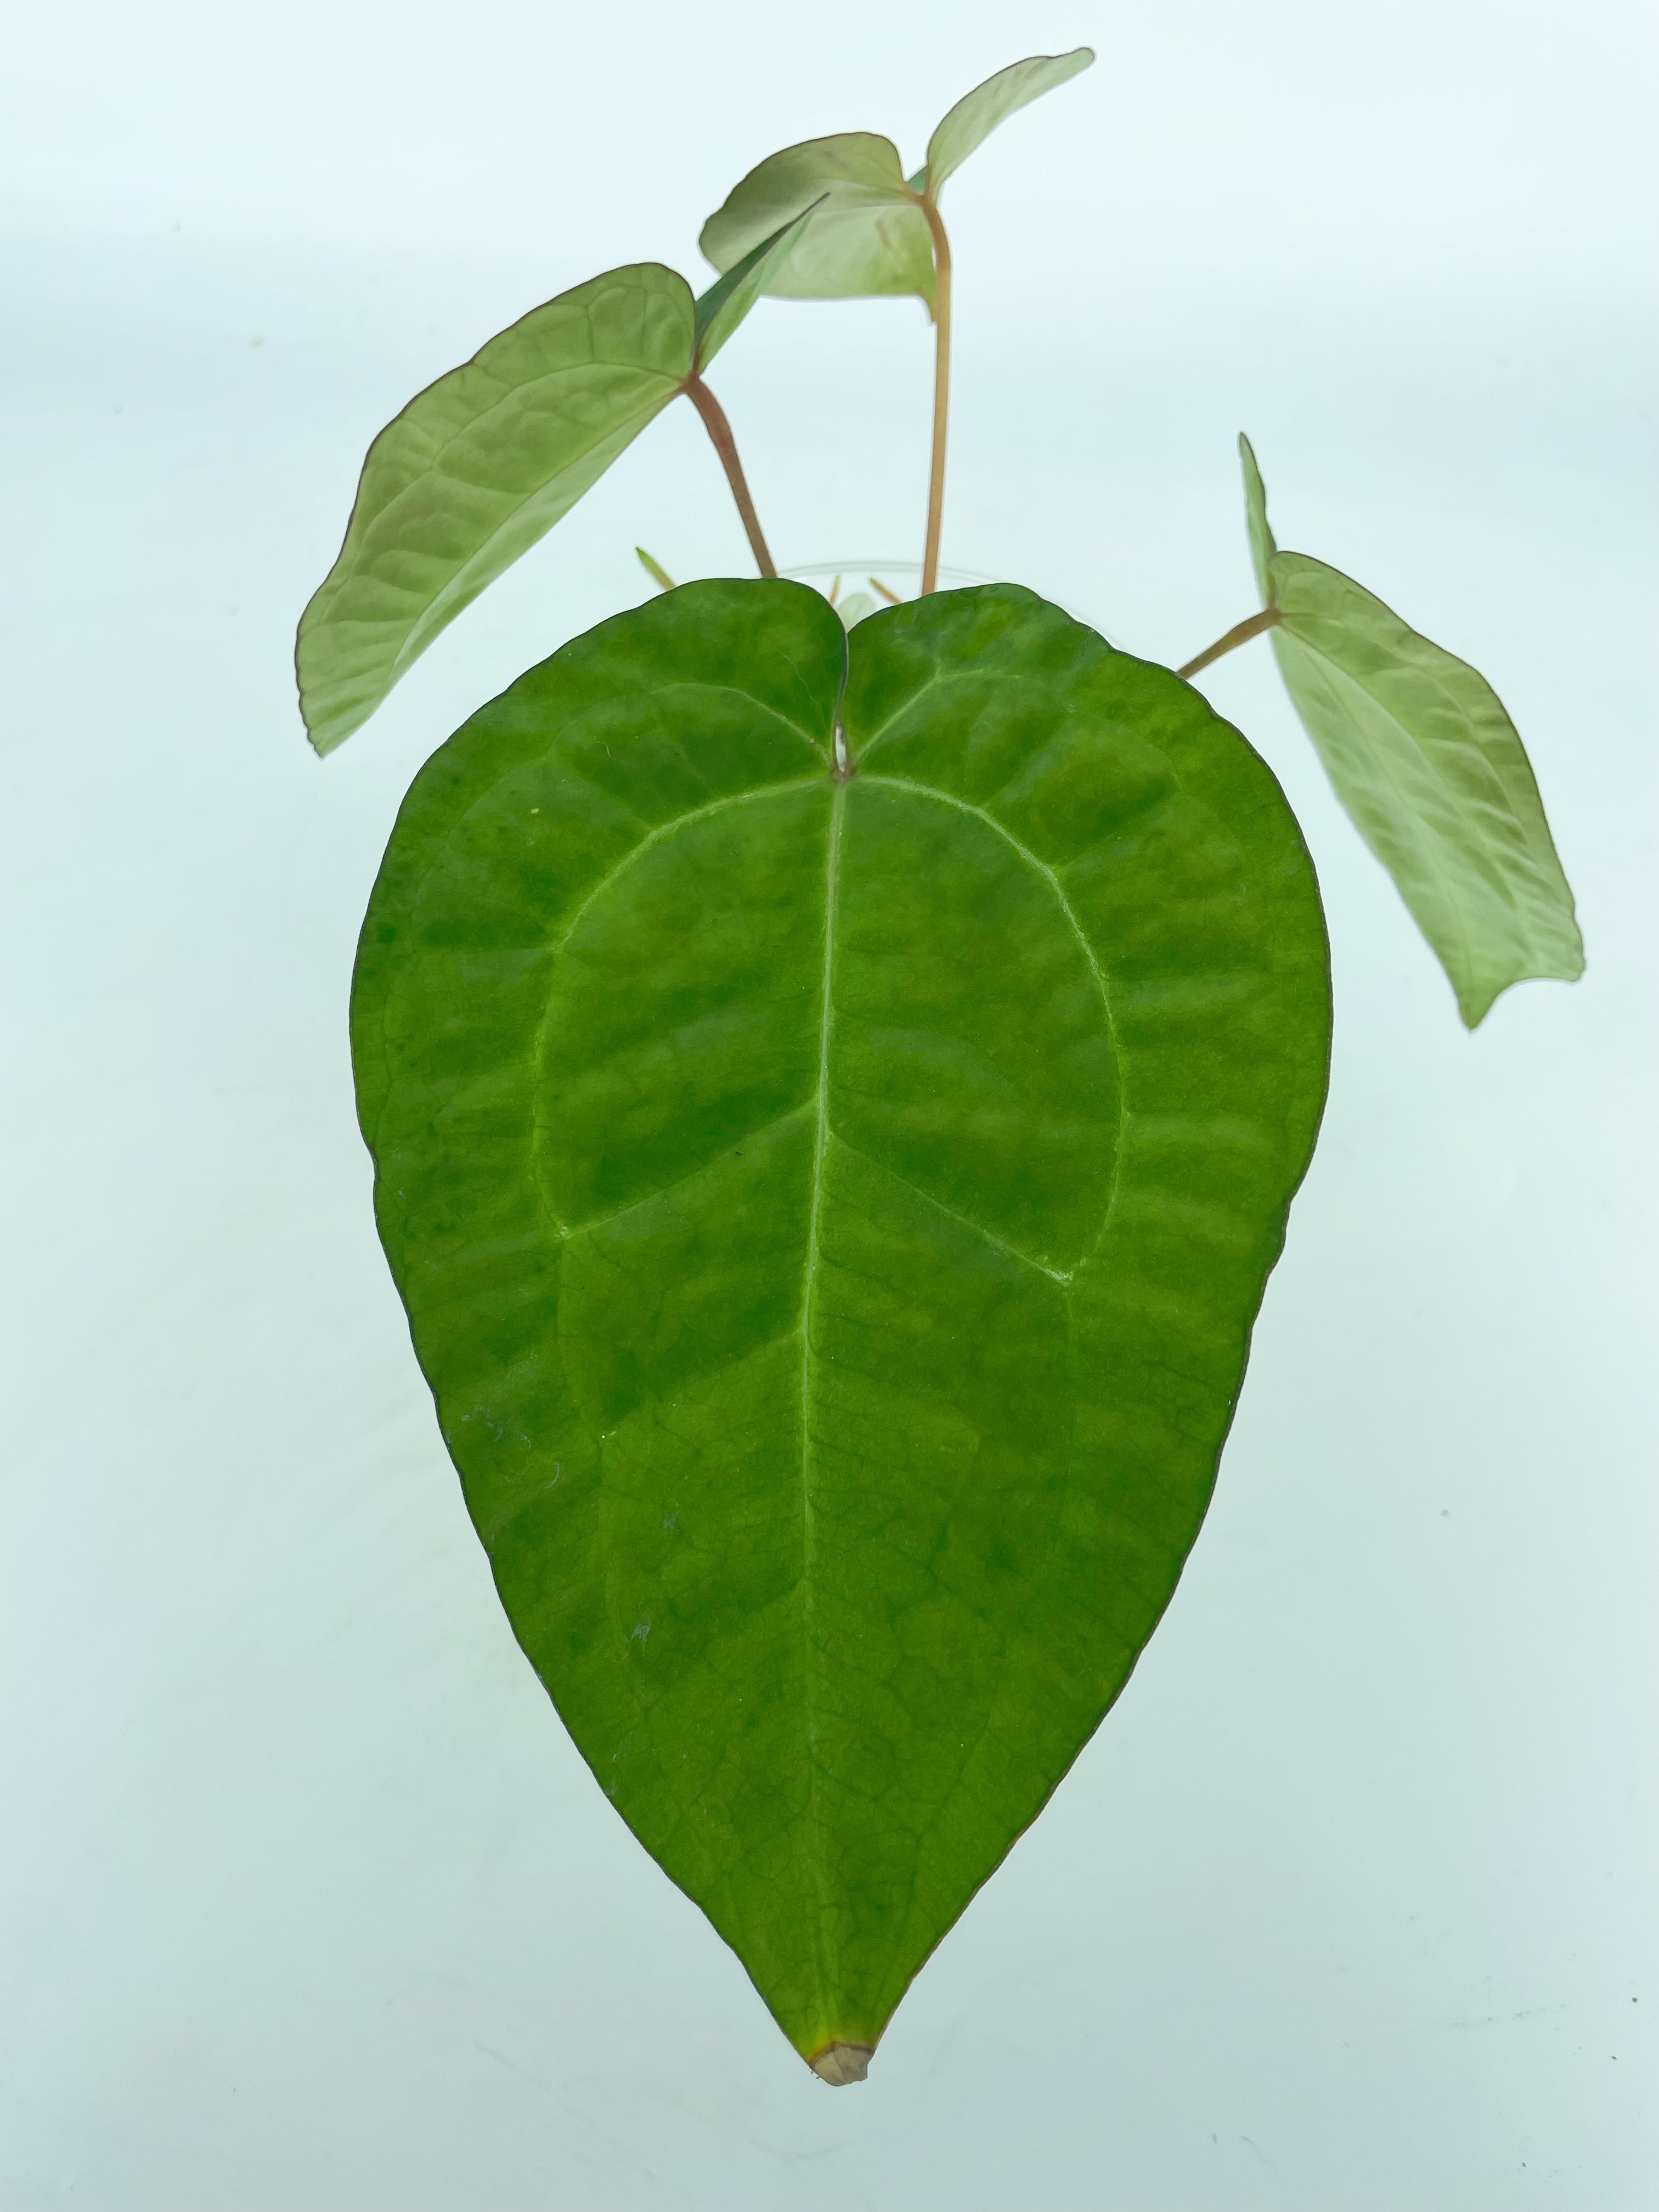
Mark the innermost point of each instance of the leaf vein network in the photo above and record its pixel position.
(1040, 866)
(989, 1236)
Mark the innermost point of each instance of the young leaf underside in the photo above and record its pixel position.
(867, 237)
(977, 114)
(482, 462)
(832, 1213)
(1430, 767)
(723, 307)
(479, 466)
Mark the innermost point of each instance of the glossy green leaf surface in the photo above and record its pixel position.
(478, 467)
(866, 237)
(975, 116)
(1430, 768)
(831, 1213)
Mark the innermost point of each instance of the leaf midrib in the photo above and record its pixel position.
(819, 1105)
(809, 1287)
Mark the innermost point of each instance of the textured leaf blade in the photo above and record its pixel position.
(866, 236)
(478, 467)
(977, 114)
(831, 1216)
(1424, 756)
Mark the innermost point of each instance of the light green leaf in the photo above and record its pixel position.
(1430, 767)
(727, 300)
(975, 116)
(831, 1215)
(1262, 546)
(479, 466)
(865, 236)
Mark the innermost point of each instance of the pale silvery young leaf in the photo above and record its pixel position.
(869, 237)
(831, 1212)
(1262, 544)
(866, 237)
(476, 469)
(727, 300)
(485, 461)
(1430, 768)
(976, 115)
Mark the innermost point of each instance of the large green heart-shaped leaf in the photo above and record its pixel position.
(1430, 767)
(867, 236)
(831, 1211)
(482, 462)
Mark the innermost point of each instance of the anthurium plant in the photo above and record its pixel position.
(836, 1075)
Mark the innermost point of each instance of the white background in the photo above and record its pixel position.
(307, 1905)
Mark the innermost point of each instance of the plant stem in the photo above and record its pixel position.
(941, 394)
(719, 431)
(1240, 634)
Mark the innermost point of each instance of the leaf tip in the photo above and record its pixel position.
(1263, 544)
(319, 735)
(841, 2063)
(326, 731)
(1475, 1002)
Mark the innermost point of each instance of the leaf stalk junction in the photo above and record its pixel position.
(720, 428)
